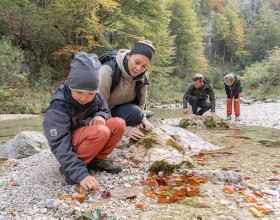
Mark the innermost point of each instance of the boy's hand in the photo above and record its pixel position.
(146, 125)
(97, 120)
(89, 183)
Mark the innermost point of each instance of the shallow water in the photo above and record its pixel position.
(10, 128)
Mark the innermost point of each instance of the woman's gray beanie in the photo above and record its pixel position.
(85, 72)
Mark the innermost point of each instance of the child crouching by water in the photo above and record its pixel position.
(78, 124)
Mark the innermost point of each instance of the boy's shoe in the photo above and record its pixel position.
(104, 165)
(67, 179)
(237, 118)
(228, 118)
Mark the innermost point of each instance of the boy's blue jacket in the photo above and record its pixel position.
(235, 89)
(62, 117)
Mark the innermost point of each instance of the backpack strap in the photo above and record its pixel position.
(116, 73)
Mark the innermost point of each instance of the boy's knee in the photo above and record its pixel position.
(118, 123)
(99, 131)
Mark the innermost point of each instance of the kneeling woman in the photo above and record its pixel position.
(127, 99)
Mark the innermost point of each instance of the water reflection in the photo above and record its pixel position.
(10, 128)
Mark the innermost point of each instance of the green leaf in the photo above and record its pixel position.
(88, 215)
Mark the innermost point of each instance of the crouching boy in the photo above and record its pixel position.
(78, 124)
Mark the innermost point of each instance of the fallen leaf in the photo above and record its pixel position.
(277, 165)
(131, 197)
(149, 194)
(163, 200)
(255, 212)
(106, 194)
(229, 190)
(140, 205)
(250, 200)
(181, 192)
(192, 191)
(14, 184)
(259, 194)
(175, 198)
(64, 197)
(79, 188)
(81, 197)
(261, 209)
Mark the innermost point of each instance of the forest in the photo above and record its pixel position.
(38, 39)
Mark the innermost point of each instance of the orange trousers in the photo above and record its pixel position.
(236, 105)
(97, 141)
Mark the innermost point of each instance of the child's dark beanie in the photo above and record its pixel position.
(85, 72)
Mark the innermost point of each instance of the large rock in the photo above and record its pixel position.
(191, 143)
(24, 144)
(167, 143)
(157, 146)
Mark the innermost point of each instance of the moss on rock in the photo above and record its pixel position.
(148, 140)
(175, 145)
(163, 166)
(184, 123)
(209, 122)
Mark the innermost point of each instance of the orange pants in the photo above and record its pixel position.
(97, 140)
(236, 105)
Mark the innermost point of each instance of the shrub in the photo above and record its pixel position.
(262, 78)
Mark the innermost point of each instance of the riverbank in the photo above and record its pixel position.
(262, 114)
(4, 117)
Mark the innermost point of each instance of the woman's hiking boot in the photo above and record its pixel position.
(104, 165)
(228, 118)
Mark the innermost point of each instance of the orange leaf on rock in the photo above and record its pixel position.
(259, 194)
(160, 192)
(250, 200)
(192, 191)
(166, 188)
(229, 190)
(181, 192)
(164, 200)
(261, 209)
(255, 212)
(149, 193)
(161, 181)
(140, 205)
(64, 197)
(175, 198)
(81, 197)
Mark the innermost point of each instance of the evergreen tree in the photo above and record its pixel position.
(188, 39)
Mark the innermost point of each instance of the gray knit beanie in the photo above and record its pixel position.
(85, 72)
(229, 79)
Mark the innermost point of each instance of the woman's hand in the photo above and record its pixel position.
(89, 183)
(145, 124)
(97, 120)
(134, 133)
